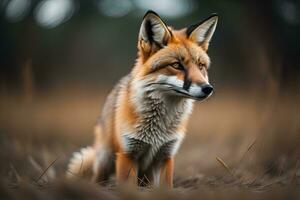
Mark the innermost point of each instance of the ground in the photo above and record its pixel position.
(237, 146)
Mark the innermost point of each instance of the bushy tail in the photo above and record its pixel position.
(81, 163)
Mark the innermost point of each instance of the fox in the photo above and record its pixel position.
(144, 119)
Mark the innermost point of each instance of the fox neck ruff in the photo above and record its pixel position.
(156, 133)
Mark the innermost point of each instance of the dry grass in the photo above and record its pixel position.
(237, 147)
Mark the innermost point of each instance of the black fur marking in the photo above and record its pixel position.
(187, 82)
(149, 32)
(150, 12)
(137, 148)
(191, 28)
(164, 152)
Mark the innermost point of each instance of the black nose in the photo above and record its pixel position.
(207, 89)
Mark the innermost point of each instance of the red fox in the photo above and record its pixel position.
(144, 119)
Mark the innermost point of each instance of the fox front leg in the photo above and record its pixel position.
(125, 169)
(167, 172)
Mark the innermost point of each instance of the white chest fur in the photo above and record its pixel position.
(155, 134)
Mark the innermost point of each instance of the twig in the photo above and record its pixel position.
(45, 171)
(225, 166)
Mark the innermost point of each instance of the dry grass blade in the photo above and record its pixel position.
(35, 164)
(147, 179)
(295, 173)
(248, 149)
(270, 184)
(139, 179)
(15, 172)
(129, 172)
(104, 182)
(45, 171)
(261, 177)
(224, 165)
(143, 183)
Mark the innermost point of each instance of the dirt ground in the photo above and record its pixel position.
(244, 146)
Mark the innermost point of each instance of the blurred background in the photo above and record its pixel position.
(60, 58)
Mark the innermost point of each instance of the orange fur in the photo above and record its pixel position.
(125, 168)
(167, 171)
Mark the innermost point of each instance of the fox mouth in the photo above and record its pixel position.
(187, 95)
(181, 92)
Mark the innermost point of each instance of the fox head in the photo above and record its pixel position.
(174, 62)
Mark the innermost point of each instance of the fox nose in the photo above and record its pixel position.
(207, 89)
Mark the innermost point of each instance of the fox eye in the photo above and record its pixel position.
(176, 65)
(201, 66)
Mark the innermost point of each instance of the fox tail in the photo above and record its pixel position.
(81, 163)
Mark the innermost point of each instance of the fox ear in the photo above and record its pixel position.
(202, 32)
(154, 34)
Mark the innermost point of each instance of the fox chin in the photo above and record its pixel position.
(144, 119)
